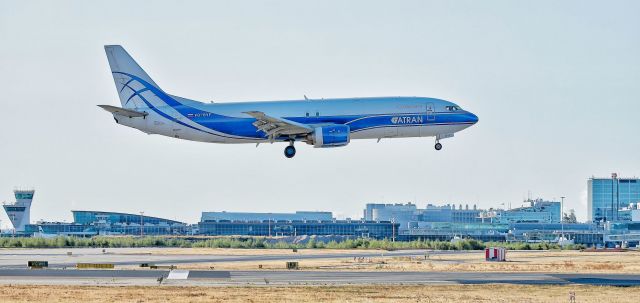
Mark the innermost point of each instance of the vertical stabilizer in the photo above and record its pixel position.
(127, 75)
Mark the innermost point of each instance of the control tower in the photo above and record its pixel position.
(19, 212)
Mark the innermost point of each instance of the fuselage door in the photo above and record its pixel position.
(430, 112)
(176, 128)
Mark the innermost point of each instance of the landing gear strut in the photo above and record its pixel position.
(290, 150)
(438, 146)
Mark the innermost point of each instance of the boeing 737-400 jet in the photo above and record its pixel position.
(321, 123)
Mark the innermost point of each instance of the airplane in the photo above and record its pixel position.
(318, 122)
(42, 234)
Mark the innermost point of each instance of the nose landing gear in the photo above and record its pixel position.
(290, 150)
(439, 137)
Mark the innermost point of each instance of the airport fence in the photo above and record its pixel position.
(262, 242)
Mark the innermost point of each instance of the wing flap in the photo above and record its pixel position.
(276, 126)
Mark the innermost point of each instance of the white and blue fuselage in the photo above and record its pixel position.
(323, 123)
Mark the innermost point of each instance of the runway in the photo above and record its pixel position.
(13, 269)
(58, 258)
(294, 277)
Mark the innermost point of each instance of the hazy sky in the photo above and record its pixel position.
(556, 85)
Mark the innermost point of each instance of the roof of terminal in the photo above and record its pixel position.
(125, 214)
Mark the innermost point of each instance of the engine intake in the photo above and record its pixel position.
(331, 136)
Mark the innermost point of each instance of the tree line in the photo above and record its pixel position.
(266, 243)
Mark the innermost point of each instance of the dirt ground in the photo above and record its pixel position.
(435, 293)
(517, 261)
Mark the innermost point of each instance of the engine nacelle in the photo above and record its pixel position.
(331, 136)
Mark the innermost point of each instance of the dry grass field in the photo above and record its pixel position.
(435, 293)
(517, 261)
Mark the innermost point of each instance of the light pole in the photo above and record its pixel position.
(562, 215)
(141, 223)
(393, 229)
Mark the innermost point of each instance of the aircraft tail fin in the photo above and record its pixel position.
(131, 80)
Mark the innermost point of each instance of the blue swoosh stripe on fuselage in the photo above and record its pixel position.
(409, 125)
(168, 100)
(172, 119)
(242, 127)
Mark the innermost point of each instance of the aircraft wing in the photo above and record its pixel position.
(275, 126)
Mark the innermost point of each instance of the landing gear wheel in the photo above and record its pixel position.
(289, 151)
(438, 146)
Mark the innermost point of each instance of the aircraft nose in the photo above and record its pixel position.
(473, 118)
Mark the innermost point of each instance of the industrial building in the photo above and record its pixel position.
(449, 213)
(397, 213)
(537, 221)
(538, 211)
(408, 215)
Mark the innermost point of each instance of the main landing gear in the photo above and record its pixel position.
(290, 150)
(438, 146)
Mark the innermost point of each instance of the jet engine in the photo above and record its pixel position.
(330, 136)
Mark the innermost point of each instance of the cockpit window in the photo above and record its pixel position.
(453, 108)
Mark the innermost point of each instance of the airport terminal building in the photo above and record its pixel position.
(252, 216)
(614, 210)
(300, 223)
(90, 223)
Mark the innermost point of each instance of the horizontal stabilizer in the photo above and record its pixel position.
(123, 111)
